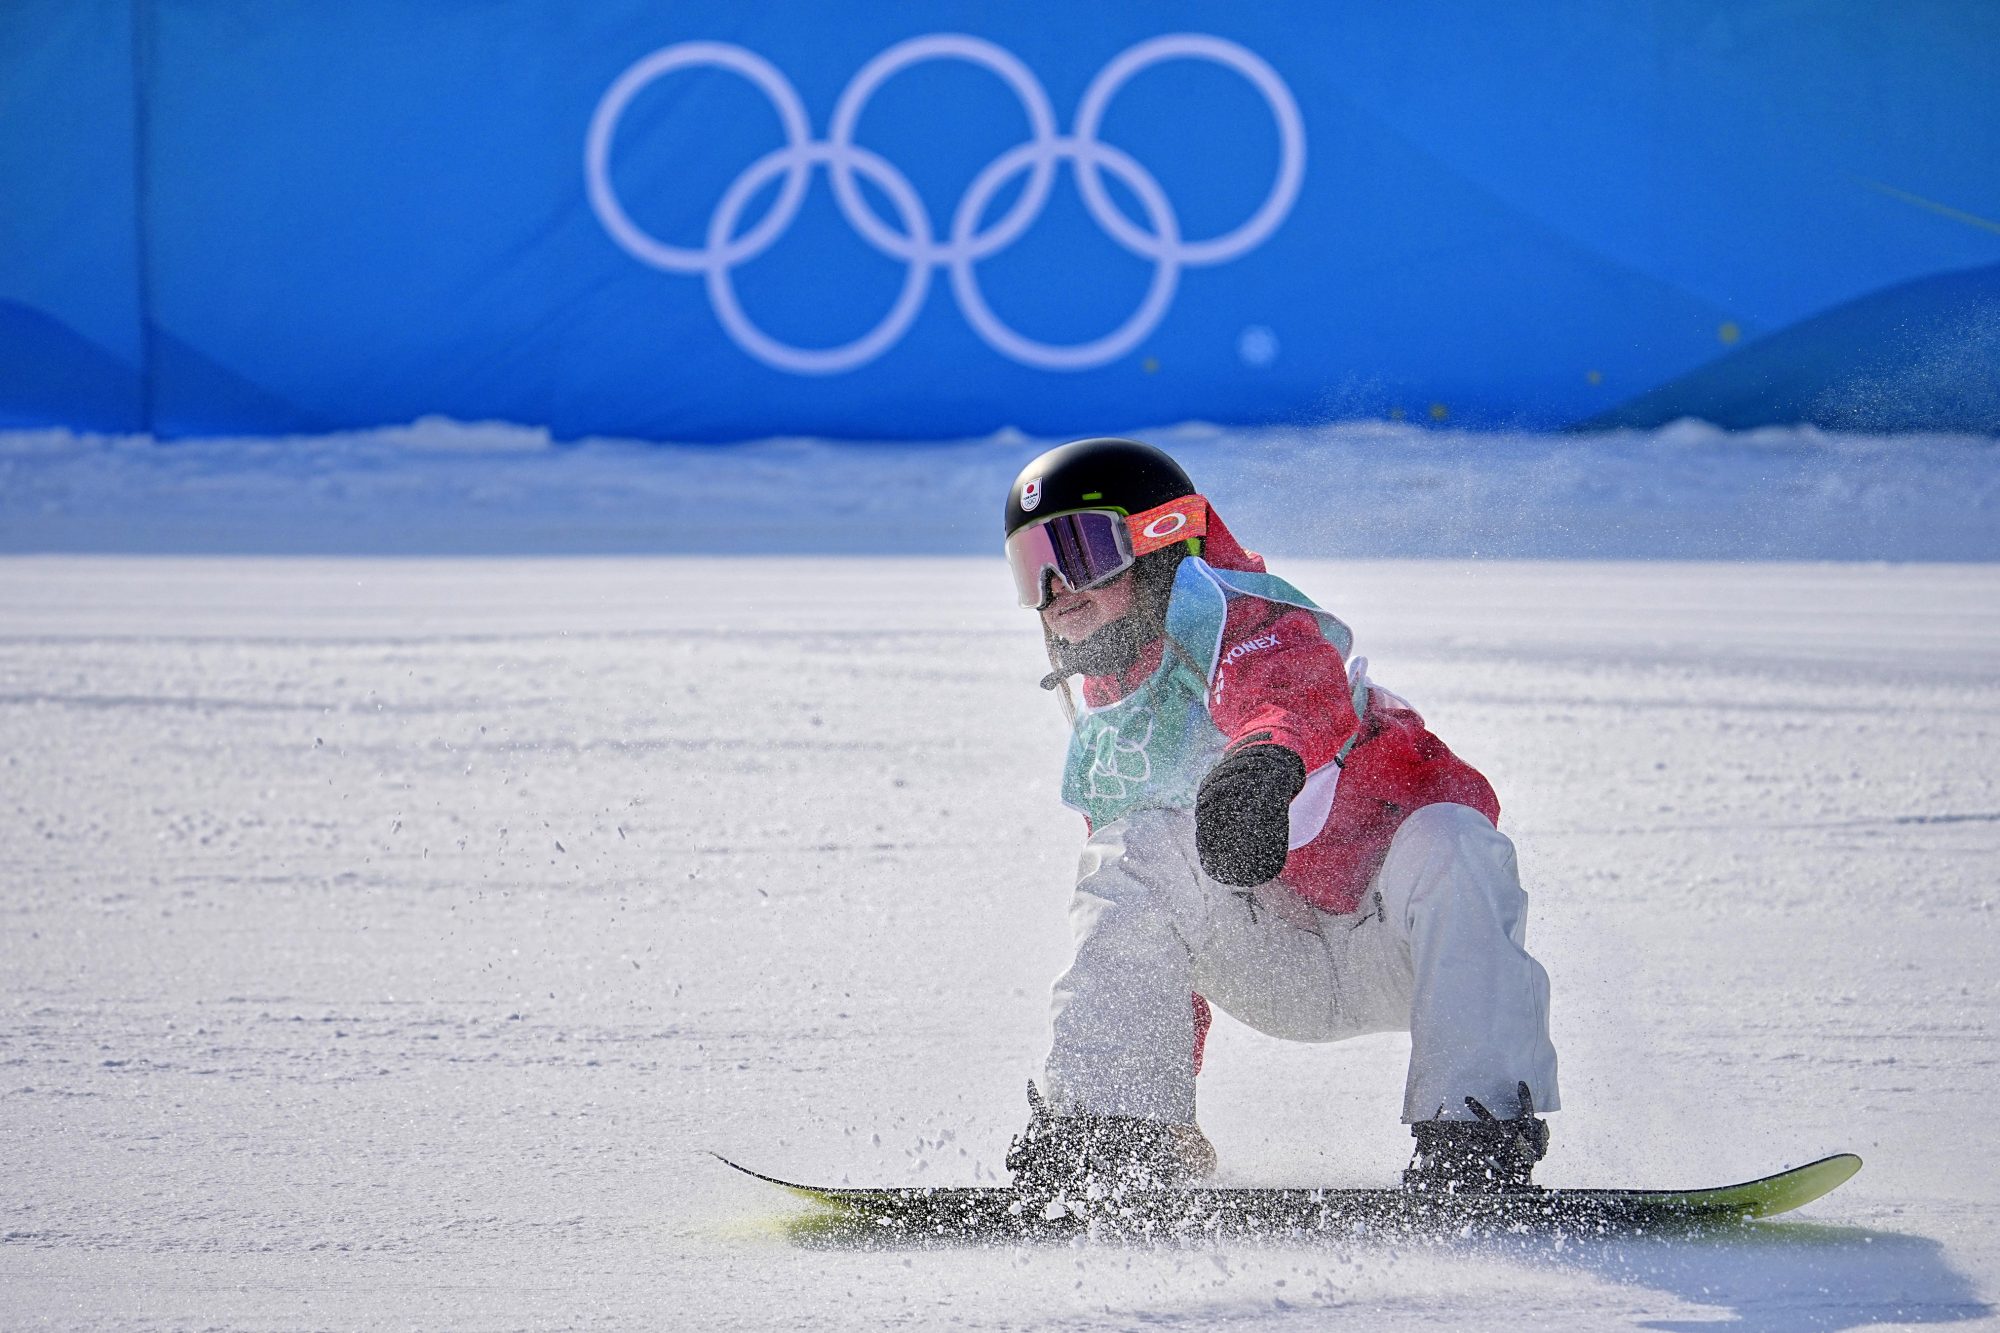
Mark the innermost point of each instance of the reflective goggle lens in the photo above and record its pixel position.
(1084, 549)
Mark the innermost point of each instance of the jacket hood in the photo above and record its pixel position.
(1221, 549)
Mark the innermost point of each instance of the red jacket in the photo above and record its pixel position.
(1281, 682)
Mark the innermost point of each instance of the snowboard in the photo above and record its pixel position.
(945, 1212)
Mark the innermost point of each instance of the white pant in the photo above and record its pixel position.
(1437, 950)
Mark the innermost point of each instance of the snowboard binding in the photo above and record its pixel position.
(1485, 1155)
(1111, 1154)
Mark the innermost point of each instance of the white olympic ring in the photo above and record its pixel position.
(965, 244)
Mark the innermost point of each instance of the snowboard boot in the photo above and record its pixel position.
(1487, 1155)
(1111, 1154)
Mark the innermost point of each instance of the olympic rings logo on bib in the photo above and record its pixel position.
(914, 241)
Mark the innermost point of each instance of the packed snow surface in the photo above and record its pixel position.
(385, 941)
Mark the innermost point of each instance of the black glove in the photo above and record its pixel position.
(1243, 814)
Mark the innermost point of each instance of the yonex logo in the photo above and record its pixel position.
(1248, 646)
(966, 242)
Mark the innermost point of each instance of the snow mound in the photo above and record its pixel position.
(1685, 491)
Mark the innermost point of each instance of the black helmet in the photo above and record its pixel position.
(1101, 473)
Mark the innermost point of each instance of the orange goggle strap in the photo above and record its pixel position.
(1160, 527)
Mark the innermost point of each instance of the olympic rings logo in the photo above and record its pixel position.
(915, 240)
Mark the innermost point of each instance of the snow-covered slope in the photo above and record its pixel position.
(1358, 490)
(384, 939)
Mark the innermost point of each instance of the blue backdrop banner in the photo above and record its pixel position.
(714, 220)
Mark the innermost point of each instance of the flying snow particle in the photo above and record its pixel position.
(1257, 345)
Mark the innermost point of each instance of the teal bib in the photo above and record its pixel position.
(1151, 749)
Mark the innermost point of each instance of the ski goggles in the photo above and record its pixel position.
(1090, 547)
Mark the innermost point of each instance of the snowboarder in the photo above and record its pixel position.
(1270, 832)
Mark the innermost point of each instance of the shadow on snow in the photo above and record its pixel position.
(1774, 1277)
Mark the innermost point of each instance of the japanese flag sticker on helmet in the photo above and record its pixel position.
(1031, 495)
